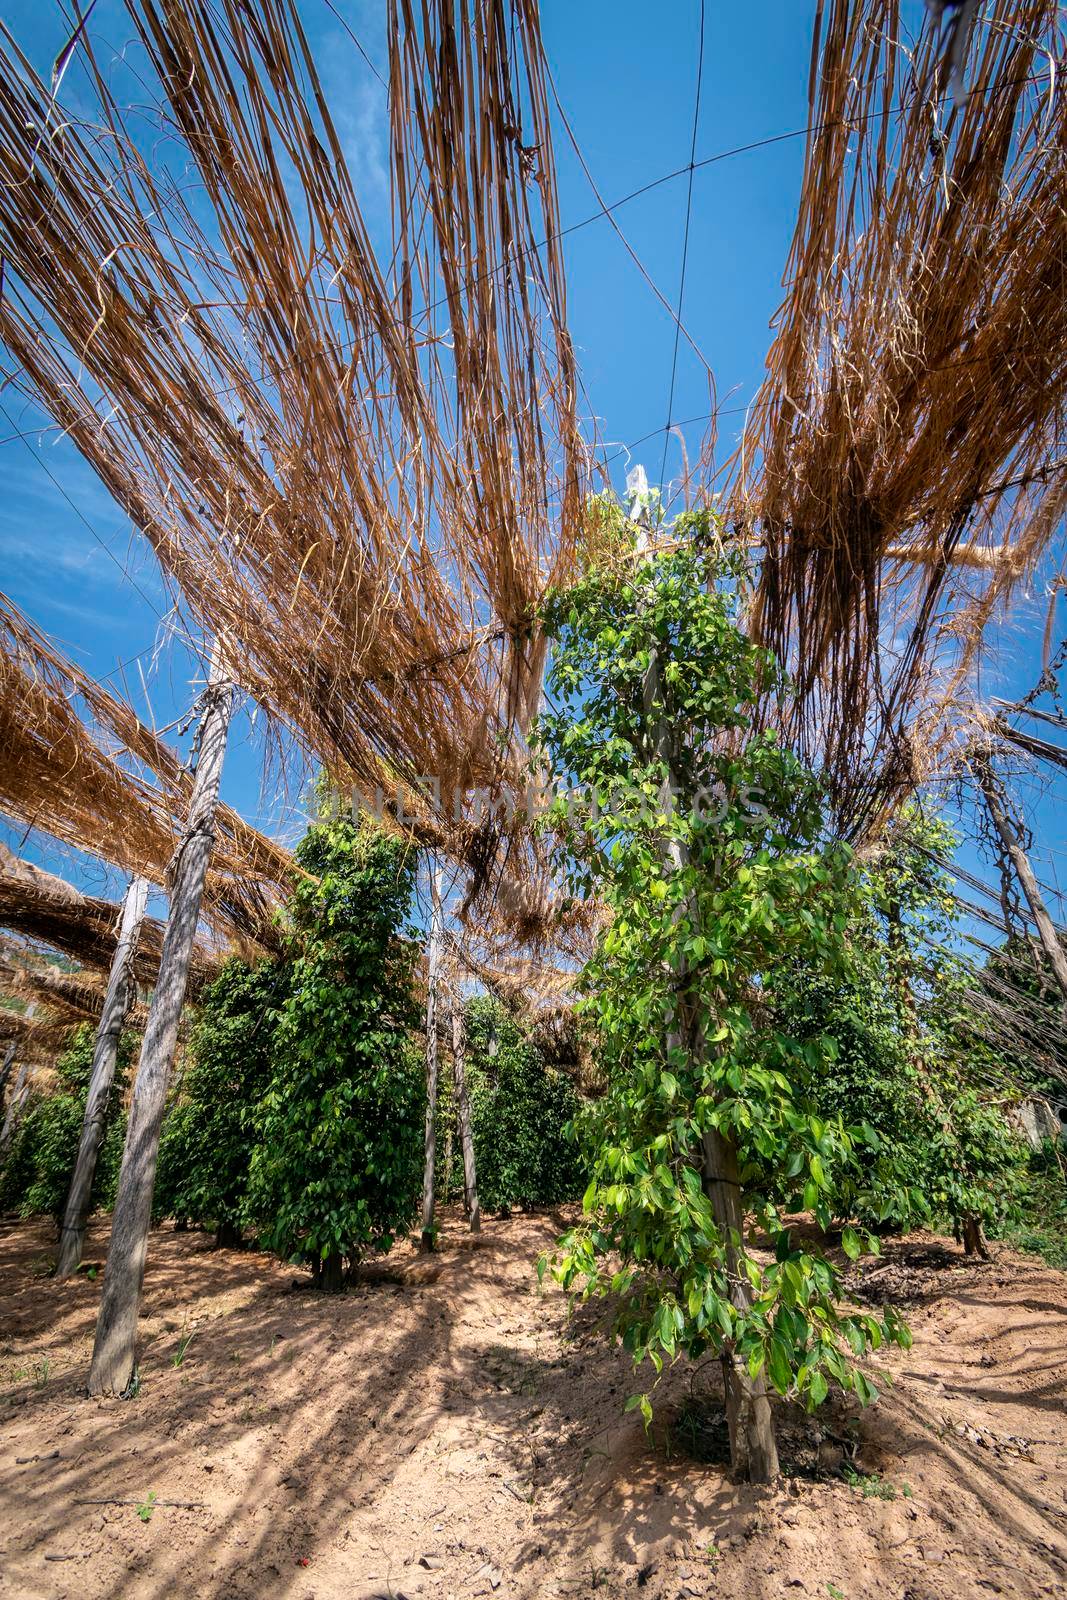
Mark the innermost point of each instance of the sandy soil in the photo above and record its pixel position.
(449, 1435)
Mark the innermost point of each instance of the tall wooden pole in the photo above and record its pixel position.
(433, 982)
(20, 1093)
(19, 1096)
(5, 1073)
(101, 1077)
(753, 1450)
(116, 1328)
(994, 799)
(463, 1112)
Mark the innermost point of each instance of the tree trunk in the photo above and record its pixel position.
(753, 1452)
(973, 1238)
(228, 1236)
(105, 1054)
(330, 1277)
(463, 1115)
(1024, 872)
(432, 986)
(116, 1329)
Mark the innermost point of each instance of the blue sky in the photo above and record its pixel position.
(626, 75)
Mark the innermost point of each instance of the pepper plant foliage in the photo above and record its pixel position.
(335, 1170)
(520, 1108)
(894, 1013)
(973, 1157)
(206, 1147)
(681, 987)
(40, 1160)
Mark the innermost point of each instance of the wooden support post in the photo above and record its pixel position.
(21, 1091)
(116, 1329)
(5, 1073)
(446, 1164)
(753, 1450)
(19, 1095)
(463, 1112)
(994, 799)
(981, 764)
(105, 1054)
(433, 982)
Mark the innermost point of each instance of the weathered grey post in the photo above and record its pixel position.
(116, 1328)
(101, 1077)
(753, 1451)
(5, 1073)
(463, 1112)
(20, 1092)
(433, 981)
(1046, 928)
(19, 1096)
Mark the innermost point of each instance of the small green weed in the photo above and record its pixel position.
(1035, 1240)
(147, 1506)
(834, 1592)
(873, 1486)
(41, 1371)
(183, 1344)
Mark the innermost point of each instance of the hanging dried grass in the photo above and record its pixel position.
(361, 470)
(44, 908)
(914, 407)
(56, 774)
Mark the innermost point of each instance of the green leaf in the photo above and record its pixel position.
(778, 1366)
(865, 1391)
(850, 1244)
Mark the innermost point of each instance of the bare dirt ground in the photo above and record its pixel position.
(449, 1435)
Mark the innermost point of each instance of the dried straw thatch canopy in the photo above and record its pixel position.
(360, 466)
(56, 775)
(905, 463)
(37, 1039)
(41, 907)
(28, 975)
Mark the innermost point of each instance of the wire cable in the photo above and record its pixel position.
(685, 247)
(517, 257)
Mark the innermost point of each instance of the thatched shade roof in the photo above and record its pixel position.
(361, 469)
(915, 398)
(40, 906)
(116, 790)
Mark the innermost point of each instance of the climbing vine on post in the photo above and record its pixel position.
(704, 838)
